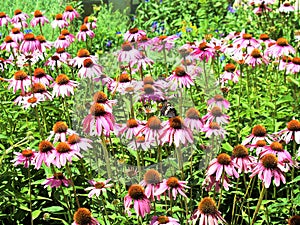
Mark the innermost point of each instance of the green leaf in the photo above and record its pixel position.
(36, 213)
(53, 209)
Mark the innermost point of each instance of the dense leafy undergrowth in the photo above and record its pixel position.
(185, 113)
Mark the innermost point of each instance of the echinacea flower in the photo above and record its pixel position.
(294, 66)
(193, 119)
(163, 42)
(44, 43)
(128, 53)
(294, 220)
(20, 81)
(292, 132)
(70, 13)
(4, 19)
(99, 121)
(63, 86)
(141, 203)
(152, 180)
(90, 69)
(9, 44)
(83, 216)
(59, 22)
(208, 213)
(259, 132)
(245, 41)
(218, 100)
(55, 62)
(39, 90)
(61, 42)
(204, 51)
(130, 129)
(60, 131)
(64, 153)
(134, 34)
(256, 58)
(139, 143)
(57, 180)
(175, 131)
(141, 61)
(90, 22)
(19, 16)
(173, 186)
(242, 160)
(269, 167)
(16, 35)
(45, 154)
(211, 181)
(180, 79)
(84, 32)
(82, 55)
(98, 187)
(213, 128)
(156, 220)
(152, 129)
(62, 54)
(216, 115)
(286, 7)
(222, 165)
(25, 157)
(151, 93)
(260, 146)
(40, 76)
(31, 100)
(30, 44)
(264, 38)
(39, 18)
(70, 37)
(281, 48)
(78, 143)
(101, 97)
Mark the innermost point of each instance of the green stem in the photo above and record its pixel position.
(72, 184)
(234, 199)
(67, 203)
(222, 187)
(39, 122)
(30, 203)
(106, 156)
(262, 194)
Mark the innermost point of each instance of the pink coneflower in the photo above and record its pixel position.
(264, 38)
(218, 100)
(152, 180)
(57, 180)
(282, 155)
(152, 129)
(55, 62)
(139, 143)
(38, 18)
(90, 22)
(230, 73)
(31, 100)
(163, 42)
(90, 69)
(175, 131)
(82, 54)
(59, 22)
(9, 44)
(70, 13)
(30, 44)
(245, 41)
(100, 97)
(179, 79)
(292, 132)
(256, 58)
(60, 131)
(144, 42)
(213, 128)
(173, 186)
(130, 129)
(151, 93)
(128, 53)
(156, 220)
(279, 49)
(4, 19)
(242, 160)
(20, 81)
(141, 61)
(216, 115)
(204, 51)
(211, 181)
(61, 42)
(193, 119)
(84, 31)
(141, 203)
(26, 157)
(63, 86)
(98, 187)
(286, 7)
(62, 54)
(70, 37)
(259, 132)
(269, 167)
(99, 121)
(83, 216)
(78, 143)
(134, 34)
(208, 213)
(260, 145)
(19, 16)
(222, 164)
(63, 154)
(40, 76)
(39, 90)
(4, 63)
(45, 154)
(44, 43)
(262, 8)
(294, 66)
(16, 35)
(294, 220)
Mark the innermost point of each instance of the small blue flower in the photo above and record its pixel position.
(216, 30)
(27, 31)
(147, 0)
(222, 58)
(0, 34)
(231, 9)
(108, 43)
(179, 34)
(189, 29)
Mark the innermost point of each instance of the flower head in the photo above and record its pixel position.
(152, 180)
(173, 186)
(156, 220)
(98, 187)
(83, 216)
(57, 180)
(26, 157)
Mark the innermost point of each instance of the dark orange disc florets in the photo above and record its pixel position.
(62, 79)
(224, 159)
(240, 151)
(269, 161)
(131, 123)
(63, 147)
(88, 62)
(100, 97)
(37, 13)
(136, 192)
(293, 125)
(83, 216)
(173, 182)
(152, 176)
(154, 123)
(58, 16)
(230, 67)
(45, 146)
(282, 42)
(176, 122)
(207, 206)
(180, 71)
(83, 53)
(192, 113)
(27, 153)
(97, 109)
(20, 75)
(29, 37)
